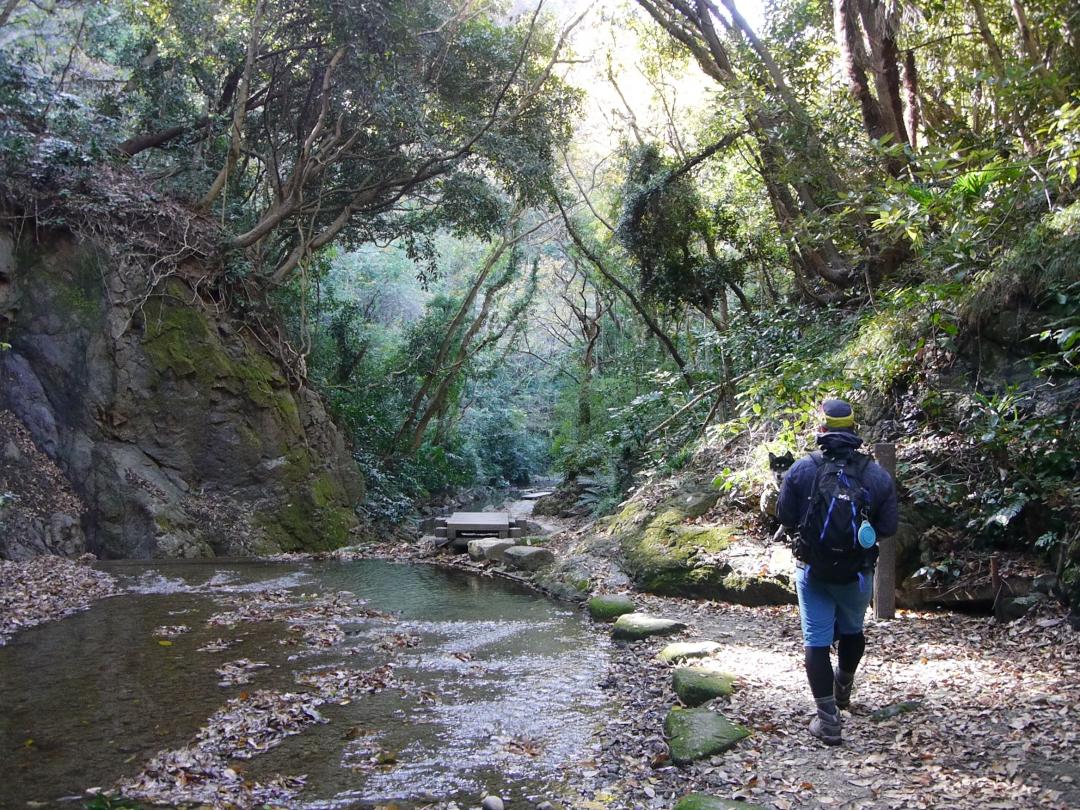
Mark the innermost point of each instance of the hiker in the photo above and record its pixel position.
(835, 503)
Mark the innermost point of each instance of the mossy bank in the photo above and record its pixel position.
(176, 428)
(667, 550)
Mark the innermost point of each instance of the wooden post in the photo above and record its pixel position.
(995, 579)
(885, 579)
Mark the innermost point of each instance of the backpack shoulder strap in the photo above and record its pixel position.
(819, 461)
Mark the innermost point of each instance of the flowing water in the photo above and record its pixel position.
(500, 692)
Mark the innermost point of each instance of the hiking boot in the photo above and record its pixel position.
(826, 726)
(842, 683)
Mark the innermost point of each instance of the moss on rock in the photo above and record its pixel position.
(697, 685)
(608, 608)
(664, 554)
(661, 552)
(694, 734)
(313, 511)
(684, 650)
(178, 340)
(301, 524)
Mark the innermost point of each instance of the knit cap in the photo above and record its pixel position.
(838, 415)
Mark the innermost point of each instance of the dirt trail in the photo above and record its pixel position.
(998, 724)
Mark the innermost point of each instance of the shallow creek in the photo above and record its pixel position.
(500, 692)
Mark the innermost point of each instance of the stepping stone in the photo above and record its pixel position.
(694, 734)
(702, 801)
(636, 626)
(684, 650)
(697, 685)
(609, 608)
(528, 558)
(489, 548)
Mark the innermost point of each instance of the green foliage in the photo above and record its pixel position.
(665, 227)
(375, 336)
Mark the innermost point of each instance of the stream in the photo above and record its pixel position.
(495, 690)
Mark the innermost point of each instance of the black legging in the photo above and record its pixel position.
(819, 666)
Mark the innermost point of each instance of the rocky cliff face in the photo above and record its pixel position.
(178, 433)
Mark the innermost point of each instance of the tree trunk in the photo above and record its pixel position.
(992, 47)
(635, 302)
(911, 90)
(853, 60)
(884, 63)
(236, 131)
(437, 365)
(1029, 45)
(7, 11)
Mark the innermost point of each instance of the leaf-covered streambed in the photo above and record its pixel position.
(309, 684)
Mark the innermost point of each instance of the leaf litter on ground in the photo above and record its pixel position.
(47, 588)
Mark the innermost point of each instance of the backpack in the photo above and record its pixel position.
(828, 535)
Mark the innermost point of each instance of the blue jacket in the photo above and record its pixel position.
(795, 491)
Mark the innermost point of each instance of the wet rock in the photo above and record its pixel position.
(697, 685)
(636, 626)
(609, 608)
(684, 650)
(492, 803)
(489, 548)
(694, 734)
(528, 558)
(570, 578)
(702, 801)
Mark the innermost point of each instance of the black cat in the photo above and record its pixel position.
(778, 465)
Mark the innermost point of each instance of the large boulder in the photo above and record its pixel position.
(694, 734)
(638, 626)
(178, 431)
(666, 554)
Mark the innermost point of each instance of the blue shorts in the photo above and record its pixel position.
(825, 608)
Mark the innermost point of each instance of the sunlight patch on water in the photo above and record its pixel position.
(524, 716)
(469, 638)
(155, 582)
